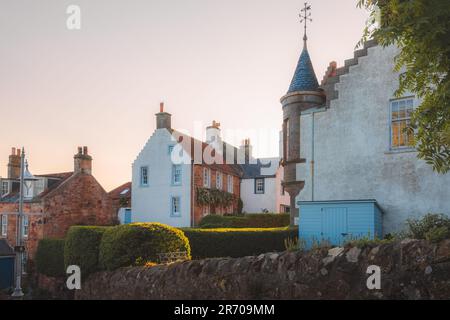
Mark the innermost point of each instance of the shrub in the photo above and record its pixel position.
(139, 243)
(433, 227)
(246, 221)
(50, 257)
(215, 243)
(82, 248)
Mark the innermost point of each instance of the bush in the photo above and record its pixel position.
(245, 221)
(50, 257)
(432, 227)
(82, 248)
(139, 243)
(216, 243)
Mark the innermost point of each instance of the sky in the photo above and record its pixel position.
(100, 86)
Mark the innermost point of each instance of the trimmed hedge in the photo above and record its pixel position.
(82, 248)
(255, 220)
(139, 243)
(216, 243)
(50, 257)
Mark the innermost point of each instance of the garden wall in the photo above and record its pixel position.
(411, 269)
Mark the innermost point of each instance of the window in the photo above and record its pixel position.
(144, 176)
(176, 204)
(171, 150)
(230, 184)
(206, 210)
(259, 186)
(4, 226)
(4, 188)
(25, 226)
(206, 178)
(401, 111)
(219, 184)
(176, 175)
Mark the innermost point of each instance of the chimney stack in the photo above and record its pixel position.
(213, 133)
(14, 164)
(247, 149)
(163, 119)
(82, 161)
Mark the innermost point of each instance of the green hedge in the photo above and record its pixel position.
(50, 257)
(82, 248)
(246, 221)
(139, 243)
(215, 243)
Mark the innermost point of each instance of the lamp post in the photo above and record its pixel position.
(26, 179)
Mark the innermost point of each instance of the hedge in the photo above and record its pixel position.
(139, 243)
(82, 248)
(50, 257)
(245, 221)
(216, 243)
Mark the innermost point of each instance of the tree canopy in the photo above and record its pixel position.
(421, 29)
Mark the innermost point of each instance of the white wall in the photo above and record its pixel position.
(255, 203)
(153, 203)
(352, 155)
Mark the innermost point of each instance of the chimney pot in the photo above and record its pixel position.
(161, 107)
(80, 150)
(18, 152)
(85, 150)
(13, 151)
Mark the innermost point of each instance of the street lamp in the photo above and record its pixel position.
(26, 179)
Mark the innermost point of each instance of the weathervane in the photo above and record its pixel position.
(305, 16)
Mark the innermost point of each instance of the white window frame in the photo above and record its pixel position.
(206, 178)
(257, 189)
(219, 181)
(175, 174)
(230, 184)
(141, 176)
(4, 188)
(25, 226)
(175, 208)
(407, 118)
(4, 225)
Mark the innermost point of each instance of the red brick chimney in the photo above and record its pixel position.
(82, 161)
(14, 164)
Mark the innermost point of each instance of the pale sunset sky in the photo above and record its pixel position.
(224, 60)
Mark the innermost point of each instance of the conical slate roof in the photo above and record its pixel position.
(304, 77)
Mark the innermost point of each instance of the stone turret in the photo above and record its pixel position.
(304, 93)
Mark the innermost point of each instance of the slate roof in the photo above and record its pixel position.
(119, 192)
(252, 171)
(304, 77)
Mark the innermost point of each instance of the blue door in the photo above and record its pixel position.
(127, 216)
(6, 272)
(334, 225)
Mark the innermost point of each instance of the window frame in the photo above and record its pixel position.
(206, 178)
(141, 176)
(406, 119)
(174, 174)
(173, 213)
(2, 190)
(4, 225)
(230, 184)
(219, 178)
(263, 191)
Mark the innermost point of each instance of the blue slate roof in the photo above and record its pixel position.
(304, 77)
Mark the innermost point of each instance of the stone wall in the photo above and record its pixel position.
(410, 270)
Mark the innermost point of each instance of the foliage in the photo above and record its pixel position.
(368, 242)
(257, 220)
(214, 197)
(82, 248)
(215, 243)
(421, 28)
(139, 243)
(432, 227)
(294, 244)
(50, 257)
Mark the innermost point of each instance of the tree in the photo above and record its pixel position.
(421, 29)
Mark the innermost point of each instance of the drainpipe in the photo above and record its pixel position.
(312, 154)
(192, 195)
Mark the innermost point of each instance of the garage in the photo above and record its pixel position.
(7, 257)
(337, 222)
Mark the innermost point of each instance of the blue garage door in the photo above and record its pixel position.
(334, 225)
(6, 272)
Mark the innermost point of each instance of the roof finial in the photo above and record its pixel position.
(305, 16)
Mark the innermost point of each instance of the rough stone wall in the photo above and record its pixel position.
(410, 270)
